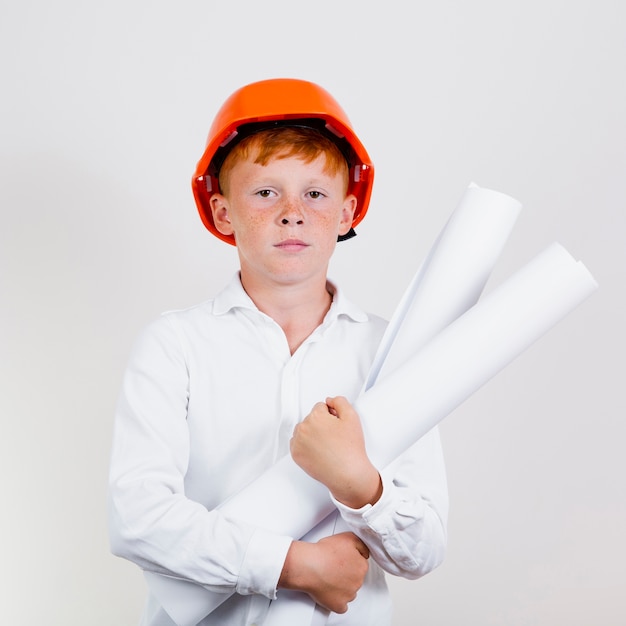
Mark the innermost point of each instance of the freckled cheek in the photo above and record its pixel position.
(255, 222)
(251, 223)
(326, 220)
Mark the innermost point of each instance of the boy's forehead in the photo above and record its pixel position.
(256, 156)
(284, 160)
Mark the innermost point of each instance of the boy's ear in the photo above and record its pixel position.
(347, 214)
(219, 210)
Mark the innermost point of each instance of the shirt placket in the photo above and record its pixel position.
(289, 403)
(291, 409)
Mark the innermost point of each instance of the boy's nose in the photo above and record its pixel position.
(291, 213)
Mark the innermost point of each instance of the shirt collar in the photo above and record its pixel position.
(233, 296)
(342, 306)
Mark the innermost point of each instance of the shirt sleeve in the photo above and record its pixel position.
(405, 530)
(151, 521)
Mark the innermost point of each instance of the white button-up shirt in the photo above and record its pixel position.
(208, 402)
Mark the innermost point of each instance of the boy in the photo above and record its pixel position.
(214, 395)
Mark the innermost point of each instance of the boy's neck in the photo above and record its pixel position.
(297, 309)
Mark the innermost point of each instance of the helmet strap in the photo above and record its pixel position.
(351, 233)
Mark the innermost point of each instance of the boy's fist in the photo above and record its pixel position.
(331, 571)
(329, 446)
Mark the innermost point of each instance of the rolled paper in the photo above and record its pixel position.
(401, 408)
(451, 278)
(447, 283)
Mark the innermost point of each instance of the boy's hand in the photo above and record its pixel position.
(331, 571)
(329, 446)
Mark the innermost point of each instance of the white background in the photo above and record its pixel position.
(105, 107)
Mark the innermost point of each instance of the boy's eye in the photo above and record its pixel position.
(315, 194)
(265, 193)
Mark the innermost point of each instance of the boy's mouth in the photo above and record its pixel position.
(292, 245)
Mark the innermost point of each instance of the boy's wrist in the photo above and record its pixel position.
(367, 491)
(291, 576)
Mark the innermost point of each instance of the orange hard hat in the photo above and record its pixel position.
(274, 102)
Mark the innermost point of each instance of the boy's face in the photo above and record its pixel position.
(285, 217)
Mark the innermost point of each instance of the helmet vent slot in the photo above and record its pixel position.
(334, 131)
(229, 138)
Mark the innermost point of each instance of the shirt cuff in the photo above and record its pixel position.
(374, 518)
(263, 564)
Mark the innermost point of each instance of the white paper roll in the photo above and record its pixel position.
(403, 407)
(451, 278)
